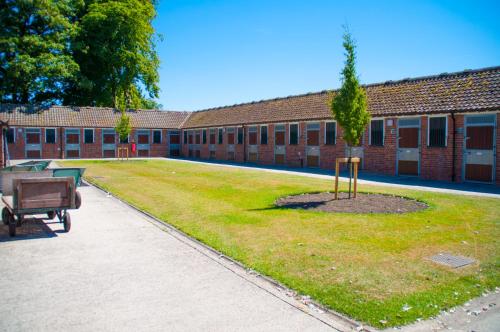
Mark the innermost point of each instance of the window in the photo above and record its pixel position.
(156, 136)
(330, 133)
(294, 134)
(185, 136)
(220, 136)
(50, 135)
(263, 135)
(11, 135)
(240, 135)
(88, 136)
(437, 131)
(204, 136)
(377, 132)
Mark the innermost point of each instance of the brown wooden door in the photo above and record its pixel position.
(480, 138)
(408, 137)
(33, 138)
(408, 151)
(313, 137)
(479, 153)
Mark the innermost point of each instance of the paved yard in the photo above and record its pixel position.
(115, 270)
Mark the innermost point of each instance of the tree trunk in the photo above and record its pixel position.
(349, 164)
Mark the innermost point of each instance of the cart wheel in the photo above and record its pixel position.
(78, 200)
(12, 225)
(5, 216)
(67, 222)
(51, 214)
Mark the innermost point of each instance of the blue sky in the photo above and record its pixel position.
(217, 53)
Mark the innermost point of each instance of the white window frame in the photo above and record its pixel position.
(220, 129)
(206, 135)
(334, 136)
(93, 135)
(429, 129)
(55, 135)
(237, 129)
(153, 136)
(370, 131)
(260, 134)
(290, 132)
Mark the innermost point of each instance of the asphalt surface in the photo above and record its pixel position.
(118, 270)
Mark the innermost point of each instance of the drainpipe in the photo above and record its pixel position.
(61, 152)
(454, 154)
(244, 145)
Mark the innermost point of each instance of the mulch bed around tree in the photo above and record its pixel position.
(363, 203)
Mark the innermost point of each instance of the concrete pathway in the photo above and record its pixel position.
(118, 270)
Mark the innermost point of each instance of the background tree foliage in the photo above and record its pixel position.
(116, 53)
(349, 105)
(36, 64)
(79, 52)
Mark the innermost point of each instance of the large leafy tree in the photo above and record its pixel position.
(115, 49)
(349, 105)
(36, 65)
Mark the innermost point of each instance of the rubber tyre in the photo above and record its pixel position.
(78, 200)
(51, 215)
(67, 222)
(12, 225)
(5, 216)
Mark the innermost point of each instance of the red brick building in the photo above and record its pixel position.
(443, 127)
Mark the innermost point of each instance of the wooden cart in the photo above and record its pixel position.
(53, 196)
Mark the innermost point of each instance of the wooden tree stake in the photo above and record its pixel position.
(355, 161)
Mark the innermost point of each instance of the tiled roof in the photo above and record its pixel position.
(473, 90)
(100, 117)
(467, 91)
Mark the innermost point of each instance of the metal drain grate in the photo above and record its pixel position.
(451, 260)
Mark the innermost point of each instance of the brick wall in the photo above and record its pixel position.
(382, 159)
(159, 150)
(497, 169)
(435, 162)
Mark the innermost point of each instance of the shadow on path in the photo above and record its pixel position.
(32, 228)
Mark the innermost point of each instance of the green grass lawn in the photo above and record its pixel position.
(365, 266)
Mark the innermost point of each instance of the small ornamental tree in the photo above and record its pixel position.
(349, 105)
(123, 127)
